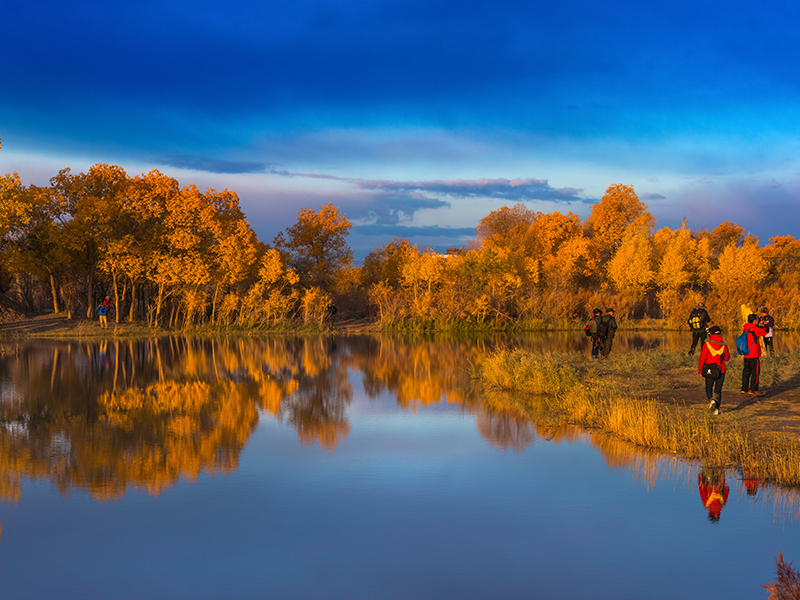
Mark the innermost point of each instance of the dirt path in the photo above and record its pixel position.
(59, 326)
(777, 411)
(43, 324)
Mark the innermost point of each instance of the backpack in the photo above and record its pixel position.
(742, 344)
(695, 322)
(602, 329)
(587, 331)
(712, 370)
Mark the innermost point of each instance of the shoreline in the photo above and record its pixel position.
(58, 326)
(666, 387)
(655, 399)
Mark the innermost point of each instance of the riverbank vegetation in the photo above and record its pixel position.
(615, 396)
(178, 258)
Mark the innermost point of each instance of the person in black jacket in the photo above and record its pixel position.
(698, 322)
(610, 331)
(594, 321)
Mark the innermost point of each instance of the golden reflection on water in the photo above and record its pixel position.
(504, 423)
(116, 415)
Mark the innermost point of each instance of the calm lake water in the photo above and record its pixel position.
(351, 467)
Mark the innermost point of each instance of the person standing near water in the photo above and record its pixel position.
(767, 323)
(610, 331)
(102, 311)
(752, 366)
(592, 327)
(698, 321)
(714, 352)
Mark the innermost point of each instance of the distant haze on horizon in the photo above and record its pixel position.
(418, 118)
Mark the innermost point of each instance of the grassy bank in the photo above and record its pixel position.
(58, 326)
(613, 396)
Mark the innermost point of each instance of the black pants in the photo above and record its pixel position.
(597, 346)
(698, 335)
(768, 344)
(714, 389)
(750, 373)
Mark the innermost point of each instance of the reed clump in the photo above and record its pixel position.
(787, 581)
(547, 373)
(603, 397)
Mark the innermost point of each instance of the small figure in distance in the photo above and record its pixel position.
(767, 323)
(102, 311)
(698, 321)
(609, 324)
(713, 357)
(752, 366)
(109, 304)
(592, 327)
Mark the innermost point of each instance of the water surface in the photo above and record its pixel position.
(359, 467)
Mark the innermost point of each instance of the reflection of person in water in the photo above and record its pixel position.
(751, 483)
(713, 491)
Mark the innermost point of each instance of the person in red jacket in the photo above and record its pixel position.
(752, 365)
(714, 351)
(713, 491)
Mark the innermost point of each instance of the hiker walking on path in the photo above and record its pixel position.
(767, 323)
(609, 326)
(747, 345)
(713, 357)
(592, 328)
(698, 321)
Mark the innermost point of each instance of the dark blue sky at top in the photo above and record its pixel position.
(290, 104)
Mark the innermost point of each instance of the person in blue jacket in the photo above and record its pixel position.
(102, 311)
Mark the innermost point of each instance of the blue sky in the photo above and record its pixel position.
(418, 117)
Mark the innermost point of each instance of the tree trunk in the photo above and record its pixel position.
(90, 296)
(123, 293)
(132, 313)
(116, 296)
(158, 303)
(214, 306)
(67, 298)
(55, 293)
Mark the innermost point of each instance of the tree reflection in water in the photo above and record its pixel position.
(109, 416)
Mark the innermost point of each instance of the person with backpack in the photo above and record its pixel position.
(109, 304)
(609, 326)
(713, 357)
(591, 330)
(698, 321)
(747, 345)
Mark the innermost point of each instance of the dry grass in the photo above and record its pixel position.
(604, 397)
(787, 581)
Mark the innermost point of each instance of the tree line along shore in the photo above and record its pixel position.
(175, 257)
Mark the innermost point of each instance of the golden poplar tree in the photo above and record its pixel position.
(631, 266)
(316, 245)
(618, 212)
